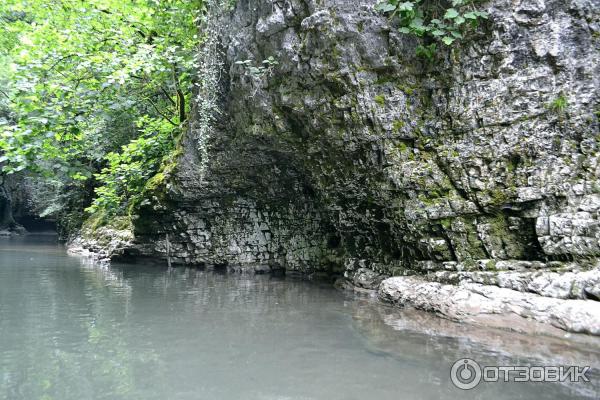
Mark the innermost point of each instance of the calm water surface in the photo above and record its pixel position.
(72, 330)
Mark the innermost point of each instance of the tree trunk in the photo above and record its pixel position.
(7, 220)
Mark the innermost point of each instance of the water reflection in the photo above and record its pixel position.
(73, 330)
(430, 336)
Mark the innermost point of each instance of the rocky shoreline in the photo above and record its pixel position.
(552, 301)
(492, 306)
(502, 294)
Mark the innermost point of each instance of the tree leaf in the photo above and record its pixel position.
(385, 7)
(448, 40)
(451, 13)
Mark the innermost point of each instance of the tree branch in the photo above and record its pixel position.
(180, 96)
(168, 96)
(160, 112)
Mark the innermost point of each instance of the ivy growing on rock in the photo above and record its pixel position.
(266, 67)
(439, 21)
(257, 73)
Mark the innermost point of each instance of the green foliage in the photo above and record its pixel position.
(266, 67)
(129, 170)
(559, 104)
(230, 5)
(398, 125)
(379, 99)
(427, 52)
(440, 21)
(91, 85)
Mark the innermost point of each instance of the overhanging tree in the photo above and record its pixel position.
(88, 81)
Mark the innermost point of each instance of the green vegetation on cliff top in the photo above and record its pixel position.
(434, 21)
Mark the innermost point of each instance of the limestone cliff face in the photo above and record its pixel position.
(354, 155)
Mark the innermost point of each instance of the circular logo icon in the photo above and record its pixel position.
(465, 374)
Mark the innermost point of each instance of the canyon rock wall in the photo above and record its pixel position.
(352, 155)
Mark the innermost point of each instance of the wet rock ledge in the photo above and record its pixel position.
(527, 297)
(492, 306)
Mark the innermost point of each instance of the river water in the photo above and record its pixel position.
(73, 330)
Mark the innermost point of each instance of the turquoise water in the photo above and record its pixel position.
(73, 330)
